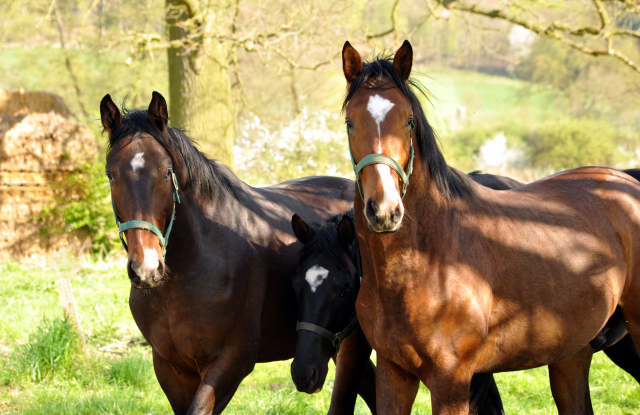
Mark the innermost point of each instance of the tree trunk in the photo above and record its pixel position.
(200, 91)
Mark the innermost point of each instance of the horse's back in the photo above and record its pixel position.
(494, 181)
(331, 194)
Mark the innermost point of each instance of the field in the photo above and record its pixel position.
(116, 375)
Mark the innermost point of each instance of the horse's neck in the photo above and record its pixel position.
(425, 205)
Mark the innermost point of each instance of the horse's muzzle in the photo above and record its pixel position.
(147, 273)
(307, 378)
(383, 218)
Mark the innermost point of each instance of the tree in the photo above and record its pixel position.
(204, 42)
(199, 79)
(592, 27)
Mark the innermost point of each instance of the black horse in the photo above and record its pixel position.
(327, 281)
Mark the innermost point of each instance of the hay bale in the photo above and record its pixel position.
(29, 102)
(43, 142)
(39, 147)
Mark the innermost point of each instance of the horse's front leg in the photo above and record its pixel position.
(178, 385)
(220, 380)
(396, 389)
(355, 374)
(569, 380)
(451, 388)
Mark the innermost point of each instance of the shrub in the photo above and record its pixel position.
(83, 201)
(311, 144)
(552, 145)
(572, 143)
(463, 147)
(52, 348)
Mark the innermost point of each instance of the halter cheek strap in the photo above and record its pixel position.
(334, 338)
(142, 224)
(384, 159)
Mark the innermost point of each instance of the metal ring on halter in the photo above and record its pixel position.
(384, 159)
(143, 224)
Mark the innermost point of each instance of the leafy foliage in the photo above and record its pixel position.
(572, 143)
(548, 146)
(88, 208)
(306, 146)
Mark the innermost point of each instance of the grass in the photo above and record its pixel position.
(116, 376)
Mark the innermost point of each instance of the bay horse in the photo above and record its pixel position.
(462, 280)
(327, 280)
(210, 258)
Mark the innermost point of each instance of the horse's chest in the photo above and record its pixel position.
(418, 316)
(193, 326)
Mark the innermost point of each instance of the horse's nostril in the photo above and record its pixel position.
(313, 378)
(371, 210)
(396, 215)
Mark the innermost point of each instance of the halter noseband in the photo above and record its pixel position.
(334, 338)
(384, 159)
(143, 224)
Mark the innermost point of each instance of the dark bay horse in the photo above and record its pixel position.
(211, 290)
(327, 280)
(462, 280)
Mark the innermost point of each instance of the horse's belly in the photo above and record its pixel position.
(539, 337)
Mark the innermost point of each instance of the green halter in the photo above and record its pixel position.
(383, 159)
(142, 224)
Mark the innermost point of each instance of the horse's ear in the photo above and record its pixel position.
(346, 232)
(110, 114)
(158, 114)
(302, 231)
(351, 62)
(403, 60)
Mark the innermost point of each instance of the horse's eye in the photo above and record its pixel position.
(350, 124)
(167, 173)
(344, 293)
(411, 123)
(109, 176)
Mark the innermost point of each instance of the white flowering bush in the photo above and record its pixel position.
(311, 144)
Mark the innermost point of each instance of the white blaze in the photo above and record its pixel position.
(137, 162)
(379, 107)
(316, 276)
(150, 263)
(388, 184)
(151, 259)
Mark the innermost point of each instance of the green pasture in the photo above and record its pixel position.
(116, 375)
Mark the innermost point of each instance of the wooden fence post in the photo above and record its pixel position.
(69, 307)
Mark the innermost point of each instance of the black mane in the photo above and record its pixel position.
(326, 241)
(205, 177)
(451, 182)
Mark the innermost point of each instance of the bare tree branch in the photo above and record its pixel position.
(561, 31)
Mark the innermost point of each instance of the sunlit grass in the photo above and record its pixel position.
(116, 376)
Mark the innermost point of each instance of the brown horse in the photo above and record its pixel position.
(216, 298)
(460, 279)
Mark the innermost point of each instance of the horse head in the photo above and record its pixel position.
(144, 189)
(380, 124)
(326, 283)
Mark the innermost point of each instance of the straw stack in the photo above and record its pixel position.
(39, 146)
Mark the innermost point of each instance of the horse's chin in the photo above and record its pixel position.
(309, 379)
(375, 228)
